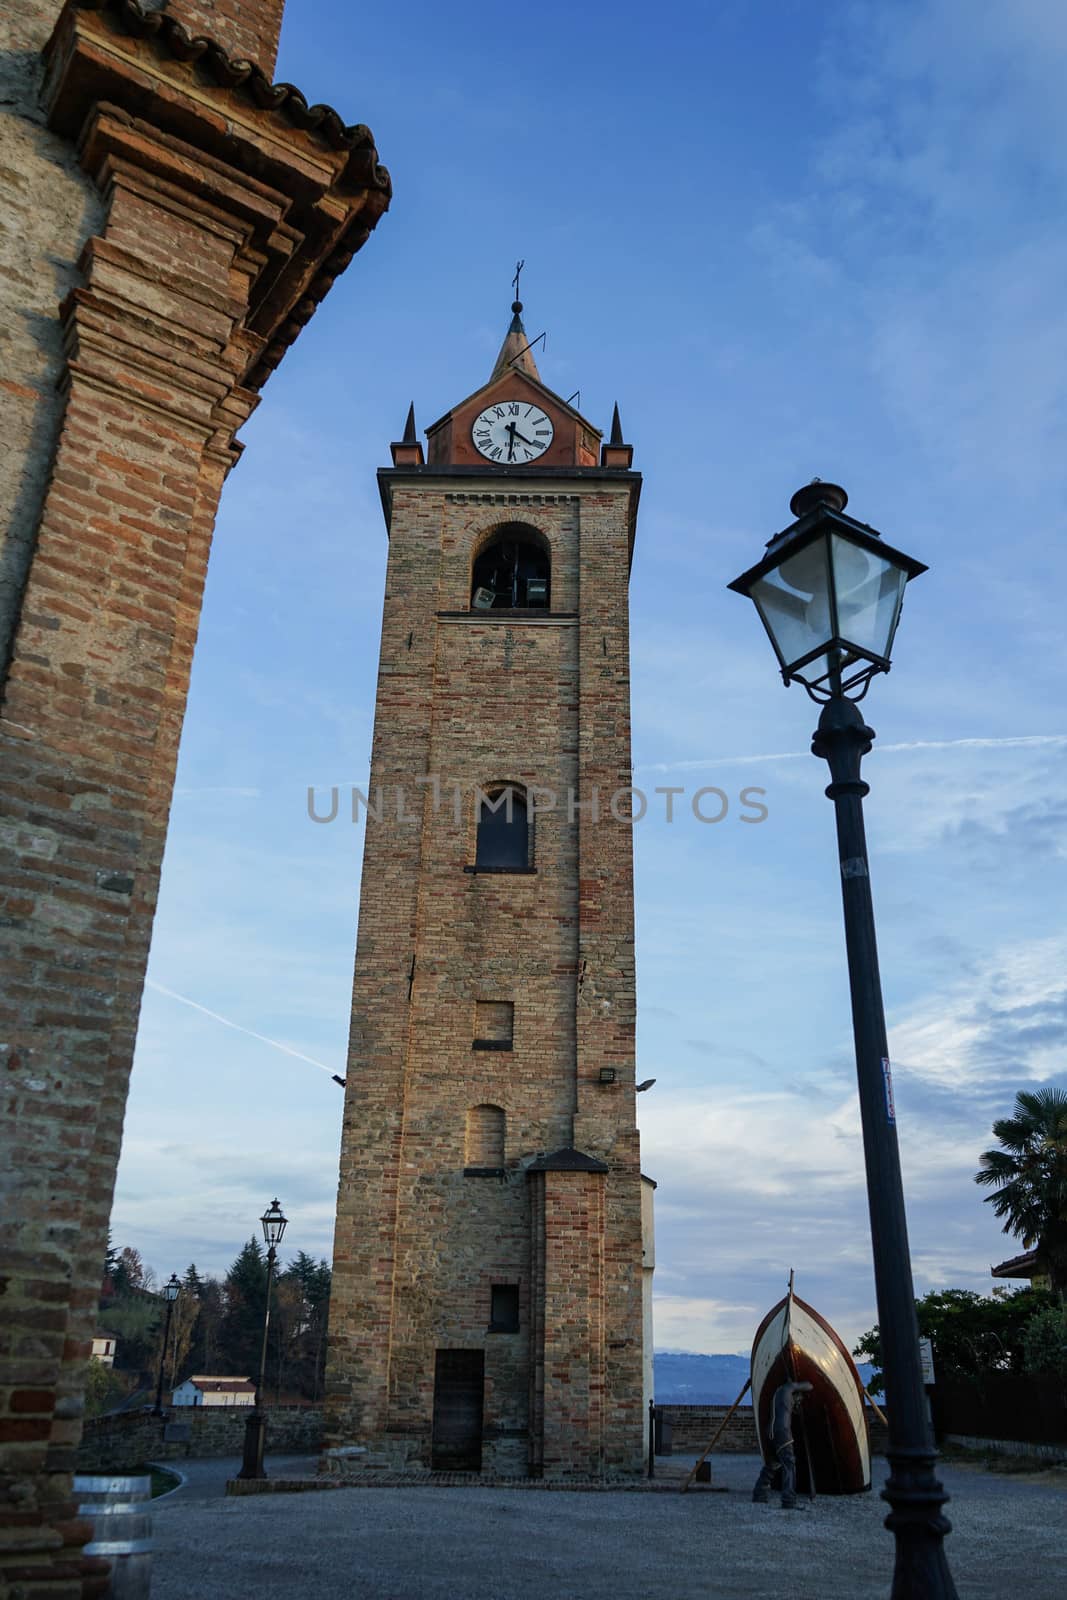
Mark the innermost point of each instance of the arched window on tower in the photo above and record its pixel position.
(486, 1130)
(503, 829)
(513, 572)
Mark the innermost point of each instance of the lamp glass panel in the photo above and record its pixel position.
(869, 589)
(815, 671)
(274, 1224)
(794, 602)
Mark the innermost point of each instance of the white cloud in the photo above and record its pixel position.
(1009, 1019)
(684, 1323)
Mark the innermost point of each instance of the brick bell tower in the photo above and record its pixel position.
(486, 1311)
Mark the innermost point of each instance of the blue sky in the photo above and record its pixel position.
(790, 241)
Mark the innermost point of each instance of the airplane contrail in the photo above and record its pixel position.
(1018, 741)
(172, 994)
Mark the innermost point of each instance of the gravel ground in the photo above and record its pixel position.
(1009, 1535)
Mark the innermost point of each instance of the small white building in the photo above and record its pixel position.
(104, 1347)
(203, 1390)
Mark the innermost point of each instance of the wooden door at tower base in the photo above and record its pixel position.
(458, 1387)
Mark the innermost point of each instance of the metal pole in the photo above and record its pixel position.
(256, 1425)
(158, 1411)
(652, 1438)
(913, 1491)
(262, 1381)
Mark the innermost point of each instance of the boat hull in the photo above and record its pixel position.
(794, 1344)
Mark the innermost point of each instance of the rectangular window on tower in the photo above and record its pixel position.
(494, 1025)
(504, 1308)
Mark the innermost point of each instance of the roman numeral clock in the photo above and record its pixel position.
(512, 431)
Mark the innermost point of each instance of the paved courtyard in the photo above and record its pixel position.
(434, 1543)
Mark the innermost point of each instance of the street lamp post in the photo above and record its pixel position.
(829, 593)
(171, 1290)
(274, 1225)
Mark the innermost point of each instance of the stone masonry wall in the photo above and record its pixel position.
(419, 1242)
(127, 1440)
(50, 208)
(694, 1427)
(190, 279)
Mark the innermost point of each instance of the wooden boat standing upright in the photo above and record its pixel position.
(794, 1344)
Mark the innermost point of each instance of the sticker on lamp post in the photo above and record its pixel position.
(926, 1356)
(890, 1109)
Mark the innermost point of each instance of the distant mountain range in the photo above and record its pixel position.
(683, 1378)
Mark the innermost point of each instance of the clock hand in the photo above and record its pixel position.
(510, 429)
(521, 436)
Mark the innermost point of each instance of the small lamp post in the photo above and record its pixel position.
(274, 1225)
(829, 592)
(171, 1290)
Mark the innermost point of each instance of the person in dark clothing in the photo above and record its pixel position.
(787, 1398)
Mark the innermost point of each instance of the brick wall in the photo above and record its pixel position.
(161, 284)
(569, 1366)
(694, 1427)
(419, 1242)
(247, 29)
(127, 1440)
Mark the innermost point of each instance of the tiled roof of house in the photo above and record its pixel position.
(217, 1385)
(1024, 1266)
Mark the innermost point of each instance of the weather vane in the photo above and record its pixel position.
(515, 284)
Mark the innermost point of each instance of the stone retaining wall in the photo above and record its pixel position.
(122, 1441)
(1008, 1447)
(694, 1427)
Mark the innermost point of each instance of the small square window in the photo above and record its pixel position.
(504, 1308)
(494, 1024)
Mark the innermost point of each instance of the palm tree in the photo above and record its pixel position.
(1030, 1175)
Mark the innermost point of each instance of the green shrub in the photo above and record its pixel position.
(1045, 1343)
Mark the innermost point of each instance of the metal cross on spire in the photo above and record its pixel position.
(515, 285)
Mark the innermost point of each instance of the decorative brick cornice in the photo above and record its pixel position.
(231, 72)
(230, 135)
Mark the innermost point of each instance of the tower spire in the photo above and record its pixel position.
(515, 356)
(616, 453)
(407, 452)
(616, 426)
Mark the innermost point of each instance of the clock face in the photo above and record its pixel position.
(512, 432)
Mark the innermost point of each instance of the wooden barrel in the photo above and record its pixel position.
(122, 1530)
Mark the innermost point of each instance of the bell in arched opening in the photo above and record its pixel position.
(512, 573)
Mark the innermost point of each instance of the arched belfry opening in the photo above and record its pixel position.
(513, 571)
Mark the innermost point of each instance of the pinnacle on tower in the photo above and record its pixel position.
(616, 426)
(514, 355)
(616, 453)
(408, 452)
